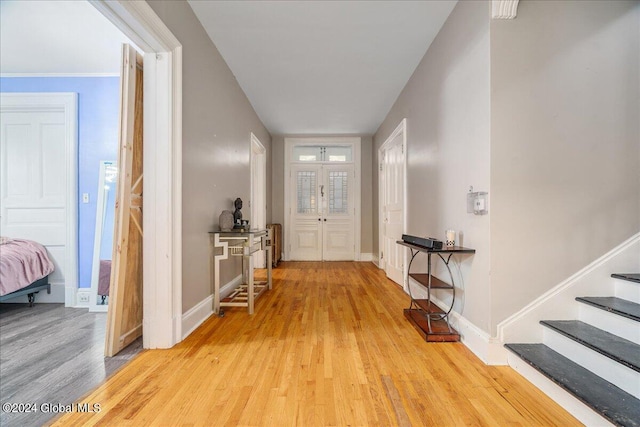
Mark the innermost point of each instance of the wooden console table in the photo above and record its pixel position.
(244, 244)
(429, 319)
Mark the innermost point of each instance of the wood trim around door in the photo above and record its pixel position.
(163, 317)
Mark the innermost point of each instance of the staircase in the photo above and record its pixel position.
(597, 357)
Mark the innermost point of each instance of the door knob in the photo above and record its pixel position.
(319, 219)
(325, 220)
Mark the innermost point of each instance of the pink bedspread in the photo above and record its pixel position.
(22, 262)
(104, 277)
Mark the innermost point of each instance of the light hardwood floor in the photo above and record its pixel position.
(327, 346)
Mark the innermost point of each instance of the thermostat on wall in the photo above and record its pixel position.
(477, 202)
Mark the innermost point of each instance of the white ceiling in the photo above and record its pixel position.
(322, 66)
(307, 67)
(57, 37)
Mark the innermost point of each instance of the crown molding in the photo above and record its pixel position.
(504, 9)
(59, 74)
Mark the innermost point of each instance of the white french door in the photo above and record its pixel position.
(322, 217)
(306, 218)
(392, 188)
(338, 213)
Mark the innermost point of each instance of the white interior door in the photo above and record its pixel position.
(37, 175)
(258, 192)
(306, 213)
(392, 206)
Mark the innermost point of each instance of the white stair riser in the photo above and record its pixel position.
(582, 412)
(627, 290)
(613, 323)
(621, 376)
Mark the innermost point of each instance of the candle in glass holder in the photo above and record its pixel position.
(451, 237)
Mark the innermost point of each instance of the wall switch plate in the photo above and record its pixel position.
(85, 197)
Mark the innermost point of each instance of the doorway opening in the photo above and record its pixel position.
(162, 269)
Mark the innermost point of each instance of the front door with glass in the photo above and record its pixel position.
(337, 213)
(322, 212)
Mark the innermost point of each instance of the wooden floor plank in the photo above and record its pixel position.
(328, 345)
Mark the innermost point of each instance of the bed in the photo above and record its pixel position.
(104, 280)
(24, 269)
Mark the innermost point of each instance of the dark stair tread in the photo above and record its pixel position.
(615, 305)
(616, 405)
(631, 277)
(612, 346)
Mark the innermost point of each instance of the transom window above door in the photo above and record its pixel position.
(323, 153)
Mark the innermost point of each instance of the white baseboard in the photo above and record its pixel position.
(488, 349)
(195, 316)
(376, 261)
(366, 257)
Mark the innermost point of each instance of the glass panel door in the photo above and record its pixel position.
(338, 237)
(306, 216)
(306, 182)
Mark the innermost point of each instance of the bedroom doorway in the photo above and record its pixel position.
(162, 267)
(163, 159)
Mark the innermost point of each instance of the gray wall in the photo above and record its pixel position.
(217, 122)
(446, 104)
(565, 146)
(541, 111)
(277, 179)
